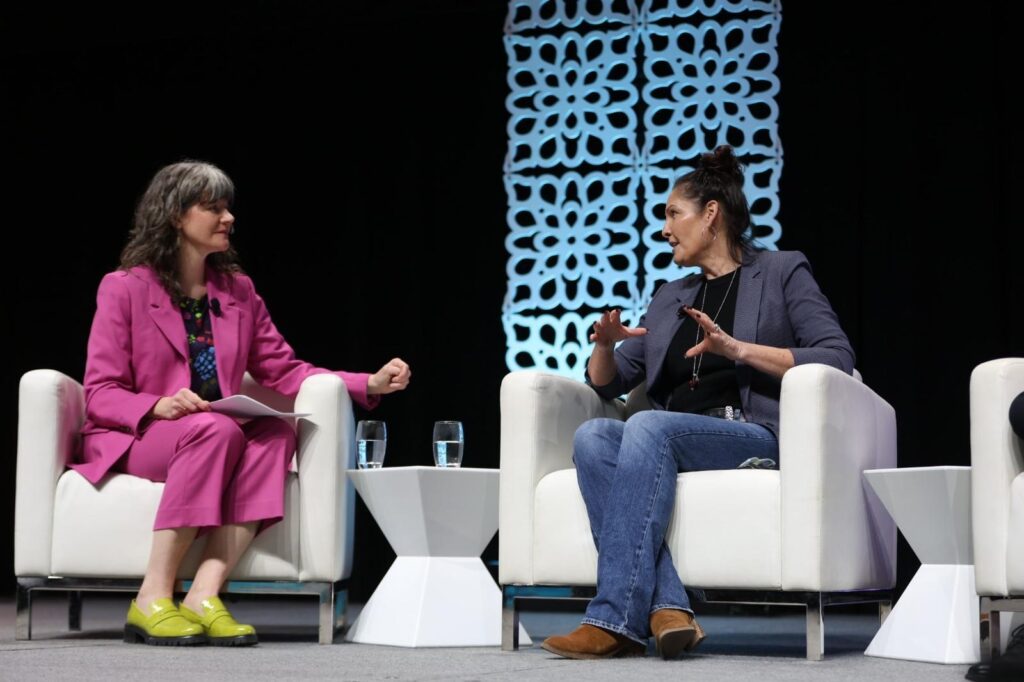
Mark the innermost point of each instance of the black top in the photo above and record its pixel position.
(202, 358)
(716, 385)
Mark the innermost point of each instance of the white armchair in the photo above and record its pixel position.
(807, 534)
(74, 537)
(997, 496)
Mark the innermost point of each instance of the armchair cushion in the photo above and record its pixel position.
(123, 508)
(563, 547)
(725, 530)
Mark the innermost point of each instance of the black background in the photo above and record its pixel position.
(367, 143)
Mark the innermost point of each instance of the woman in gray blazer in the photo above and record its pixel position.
(713, 348)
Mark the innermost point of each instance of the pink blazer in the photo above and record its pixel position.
(138, 353)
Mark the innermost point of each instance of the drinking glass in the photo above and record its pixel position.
(448, 444)
(371, 442)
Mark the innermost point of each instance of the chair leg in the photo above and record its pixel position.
(990, 635)
(75, 611)
(884, 609)
(23, 617)
(509, 620)
(340, 608)
(327, 614)
(815, 629)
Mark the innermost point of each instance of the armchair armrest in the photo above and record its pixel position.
(997, 458)
(836, 535)
(326, 450)
(51, 409)
(539, 417)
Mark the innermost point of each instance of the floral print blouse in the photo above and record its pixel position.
(202, 359)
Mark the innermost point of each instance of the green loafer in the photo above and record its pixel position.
(164, 625)
(220, 627)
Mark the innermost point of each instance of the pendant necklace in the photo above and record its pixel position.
(695, 378)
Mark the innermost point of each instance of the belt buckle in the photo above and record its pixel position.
(725, 412)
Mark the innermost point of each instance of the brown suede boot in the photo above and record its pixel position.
(675, 631)
(588, 641)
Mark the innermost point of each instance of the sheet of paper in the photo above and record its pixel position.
(244, 406)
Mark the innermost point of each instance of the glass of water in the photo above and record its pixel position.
(448, 444)
(371, 442)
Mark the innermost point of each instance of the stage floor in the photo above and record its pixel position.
(743, 645)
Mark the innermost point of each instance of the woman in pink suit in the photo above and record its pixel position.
(176, 327)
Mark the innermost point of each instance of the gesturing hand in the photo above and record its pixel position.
(178, 405)
(715, 339)
(609, 330)
(392, 377)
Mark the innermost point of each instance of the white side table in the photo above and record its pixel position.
(936, 618)
(438, 592)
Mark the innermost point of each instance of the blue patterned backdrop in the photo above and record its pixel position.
(610, 102)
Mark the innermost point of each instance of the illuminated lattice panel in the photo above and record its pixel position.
(609, 102)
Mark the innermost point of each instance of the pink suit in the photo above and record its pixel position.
(216, 471)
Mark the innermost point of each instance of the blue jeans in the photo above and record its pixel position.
(627, 474)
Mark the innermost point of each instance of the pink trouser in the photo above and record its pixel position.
(216, 470)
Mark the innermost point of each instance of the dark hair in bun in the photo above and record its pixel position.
(719, 177)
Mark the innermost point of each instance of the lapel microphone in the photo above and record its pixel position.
(215, 306)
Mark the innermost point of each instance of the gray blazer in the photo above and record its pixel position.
(778, 304)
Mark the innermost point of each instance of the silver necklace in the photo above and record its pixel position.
(695, 377)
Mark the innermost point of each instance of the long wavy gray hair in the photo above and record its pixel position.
(153, 239)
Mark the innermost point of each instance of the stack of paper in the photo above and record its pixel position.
(243, 406)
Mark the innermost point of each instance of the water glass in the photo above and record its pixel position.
(371, 442)
(448, 444)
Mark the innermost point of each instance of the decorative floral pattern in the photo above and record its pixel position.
(666, 10)
(699, 97)
(202, 355)
(572, 99)
(554, 343)
(572, 241)
(524, 15)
